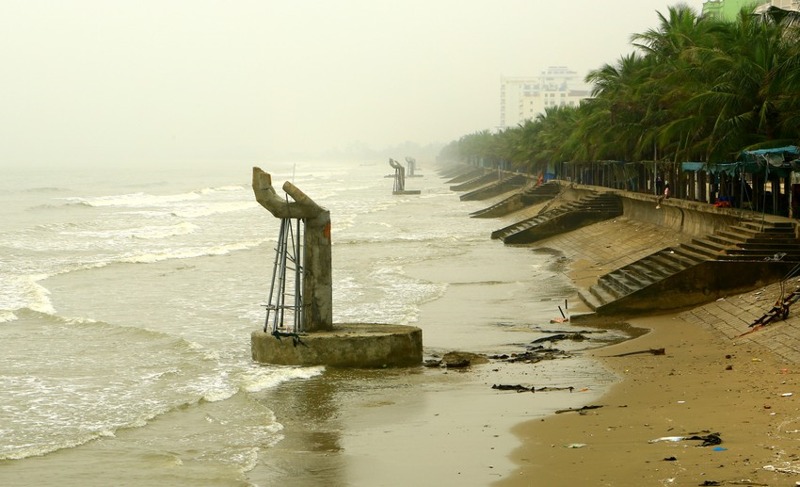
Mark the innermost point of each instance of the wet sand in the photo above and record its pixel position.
(436, 426)
(451, 427)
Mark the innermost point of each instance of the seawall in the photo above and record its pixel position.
(597, 249)
(691, 218)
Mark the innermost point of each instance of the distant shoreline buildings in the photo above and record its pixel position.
(523, 98)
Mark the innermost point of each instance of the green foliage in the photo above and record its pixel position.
(695, 89)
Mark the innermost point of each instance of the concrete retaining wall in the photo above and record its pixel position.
(690, 217)
(693, 218)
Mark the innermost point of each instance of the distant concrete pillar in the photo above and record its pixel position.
(411, 163)
(317, 276)
(399, 176)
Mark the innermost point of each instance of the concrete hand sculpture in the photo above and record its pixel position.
(317, 278)
(348, 344)
(302, 207)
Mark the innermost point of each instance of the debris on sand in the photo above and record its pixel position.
(521, 388)
(578, 410)
(653, 351)
(533, 355)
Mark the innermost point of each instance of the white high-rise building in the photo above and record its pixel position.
(522, 98)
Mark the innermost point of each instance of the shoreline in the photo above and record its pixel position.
(746, 388)
(437, 426)
(447, 427)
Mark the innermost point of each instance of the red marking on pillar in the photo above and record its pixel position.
(326, 231)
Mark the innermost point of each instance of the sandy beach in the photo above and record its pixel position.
(703, 385)
(707, 384)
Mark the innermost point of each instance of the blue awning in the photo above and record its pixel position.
(769, 162)
(788, 152)
(729, 168)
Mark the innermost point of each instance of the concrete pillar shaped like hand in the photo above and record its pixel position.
(399, 175)
(317, 276)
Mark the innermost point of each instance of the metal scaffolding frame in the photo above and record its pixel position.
(288, 268)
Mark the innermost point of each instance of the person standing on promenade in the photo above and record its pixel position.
(663, 196)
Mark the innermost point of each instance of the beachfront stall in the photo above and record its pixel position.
(766, 180)
(640, 177)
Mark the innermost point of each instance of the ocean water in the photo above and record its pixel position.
(127, 299)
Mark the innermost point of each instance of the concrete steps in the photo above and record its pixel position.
(509, 183)
(463, 174)
(476, 182)
(763, 241)
(742, 243)
(523, 199)
(567, 217)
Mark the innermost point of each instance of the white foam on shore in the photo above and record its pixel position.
(133, 200)
(260, 378)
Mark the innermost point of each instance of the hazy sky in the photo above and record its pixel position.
(124, 81)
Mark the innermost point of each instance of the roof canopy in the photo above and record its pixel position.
(779, 161)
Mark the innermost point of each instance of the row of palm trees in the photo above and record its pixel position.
(695, 89)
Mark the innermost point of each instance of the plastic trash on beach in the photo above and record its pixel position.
(789, 469)
(707, 440)
(575, 445)
(668, 438)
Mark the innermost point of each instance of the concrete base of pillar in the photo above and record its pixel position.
(408, 191)
(358, 345)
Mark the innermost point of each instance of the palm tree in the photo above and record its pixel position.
(618, 108)
(739, 97)
(671, 50)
